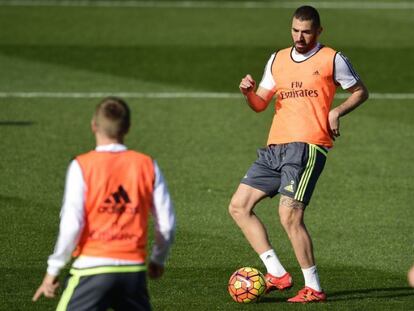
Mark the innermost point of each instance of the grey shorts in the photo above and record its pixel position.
(100, 288)
(290, 169)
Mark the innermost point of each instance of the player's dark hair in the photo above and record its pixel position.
(308, 13)
(112, 115)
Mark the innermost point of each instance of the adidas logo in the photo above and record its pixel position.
(316, 73)
(289, 188)
(116, 197)
(117, 202)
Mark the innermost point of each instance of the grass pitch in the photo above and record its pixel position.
(360, 217)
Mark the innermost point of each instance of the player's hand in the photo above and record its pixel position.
(247, 84)
(48, 287)
(333, 119)
(155, 271)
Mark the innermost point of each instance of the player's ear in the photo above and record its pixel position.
(319, 31)
(94, 126)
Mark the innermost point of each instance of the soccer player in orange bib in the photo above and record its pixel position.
(304, 79)
(109, 194)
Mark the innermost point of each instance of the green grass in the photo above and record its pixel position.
(360, 217)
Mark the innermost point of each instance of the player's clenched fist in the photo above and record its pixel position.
(247, 84)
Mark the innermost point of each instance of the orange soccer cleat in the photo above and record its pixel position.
(280, 283)
(308, 294)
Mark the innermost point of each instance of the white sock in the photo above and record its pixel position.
(312, 278)
(272, 263)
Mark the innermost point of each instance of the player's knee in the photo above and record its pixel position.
(286, 221)
(237, 209)
(289, 220)
(234, 208)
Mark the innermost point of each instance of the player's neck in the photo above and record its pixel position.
(302, 56)
(102, 140)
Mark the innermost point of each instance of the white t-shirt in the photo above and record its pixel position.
(344, 74)
(72, 220)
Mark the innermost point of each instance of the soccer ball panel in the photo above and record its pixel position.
(257, 285)
(237, 284)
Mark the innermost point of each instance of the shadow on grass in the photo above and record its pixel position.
(7, 199)
(216, 68)
(272, 299)
(390, 292)
(212, 68)
(16, 123)
(356, 294)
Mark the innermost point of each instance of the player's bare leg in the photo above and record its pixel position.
(241, 210)
(291, 214)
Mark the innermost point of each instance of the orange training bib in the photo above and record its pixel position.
(305, 92)
(118, 198)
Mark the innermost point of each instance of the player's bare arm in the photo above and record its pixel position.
(359, 94)
(258, 100)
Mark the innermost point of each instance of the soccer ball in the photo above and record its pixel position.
(246, 285)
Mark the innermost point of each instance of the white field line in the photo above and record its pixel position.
(172, 95)
(354, 5)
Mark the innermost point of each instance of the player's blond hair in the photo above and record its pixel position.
(112, 117)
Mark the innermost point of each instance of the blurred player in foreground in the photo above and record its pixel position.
(304, 79)
(109, 194)
(410, 276)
